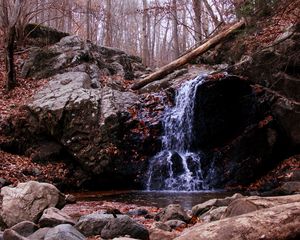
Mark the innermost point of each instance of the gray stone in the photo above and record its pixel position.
(239, 207)
(161, 226)
(52, 217)
(28, 200)
(201, 208)
(39, 234)
(25, 228)
(64, 232)
(10, 234)
(289, 187)
(124, 226)
(158, 234)
(213, 214)
(175, 224)
(93, 224)
(172, 212)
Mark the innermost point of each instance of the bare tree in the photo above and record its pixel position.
(9, 16)
(175, 29)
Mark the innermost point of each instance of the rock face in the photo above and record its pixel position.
(27, 201)
(280, 222)
(86, 113)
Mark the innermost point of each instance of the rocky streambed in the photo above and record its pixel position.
(34, 210)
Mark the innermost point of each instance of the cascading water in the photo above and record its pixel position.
(177, 167)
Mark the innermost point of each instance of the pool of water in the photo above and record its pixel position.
(153, 198)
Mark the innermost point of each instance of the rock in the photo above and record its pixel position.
(93, 224)
(293, 175)
(201, 208)
(122, 226)
(288, 188)
(158, 234)
(10, 234)
(172, 212)
(279, 222)
(64, 232)
(287, 113)
(3, 182)
(124, 238)
(239, 207)
(1, 235)
(161, 226)
(39, 234)
(25, 228)
(175, 224)
(28, 200)
(213, 214)
(44, 34)
(48, 151)
(70, 199)
(138, 212)
(52, 217)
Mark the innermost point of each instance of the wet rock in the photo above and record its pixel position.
(158, 234)
(175, 224)
(52, 217)
(28, 200)
(25, 228)
(122, 226)
(287, 113)
(93, 224)
(223, 109)
(10, 234)
(64, 231)
(172, 212)
(39, 234)
(279, 222)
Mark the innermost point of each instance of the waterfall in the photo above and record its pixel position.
(177, 167)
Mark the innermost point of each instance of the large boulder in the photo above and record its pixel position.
(279, 222)
(71, 52)
(28, 200)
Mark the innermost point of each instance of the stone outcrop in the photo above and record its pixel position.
(84, 114)
(280, 222)
(27, 201)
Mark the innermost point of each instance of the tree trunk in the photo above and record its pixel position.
(108, 24)
(188, 57)
(211, 13)
(145, 34)
(9, 58)
(175, 30)
(197, 7)
(88, 9)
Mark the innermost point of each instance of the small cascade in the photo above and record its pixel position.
(177, 167)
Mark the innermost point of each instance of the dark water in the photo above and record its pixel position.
(153, 198)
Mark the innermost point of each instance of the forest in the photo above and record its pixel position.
(149, 119)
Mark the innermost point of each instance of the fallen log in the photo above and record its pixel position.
(165, 70)
(276, 223)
